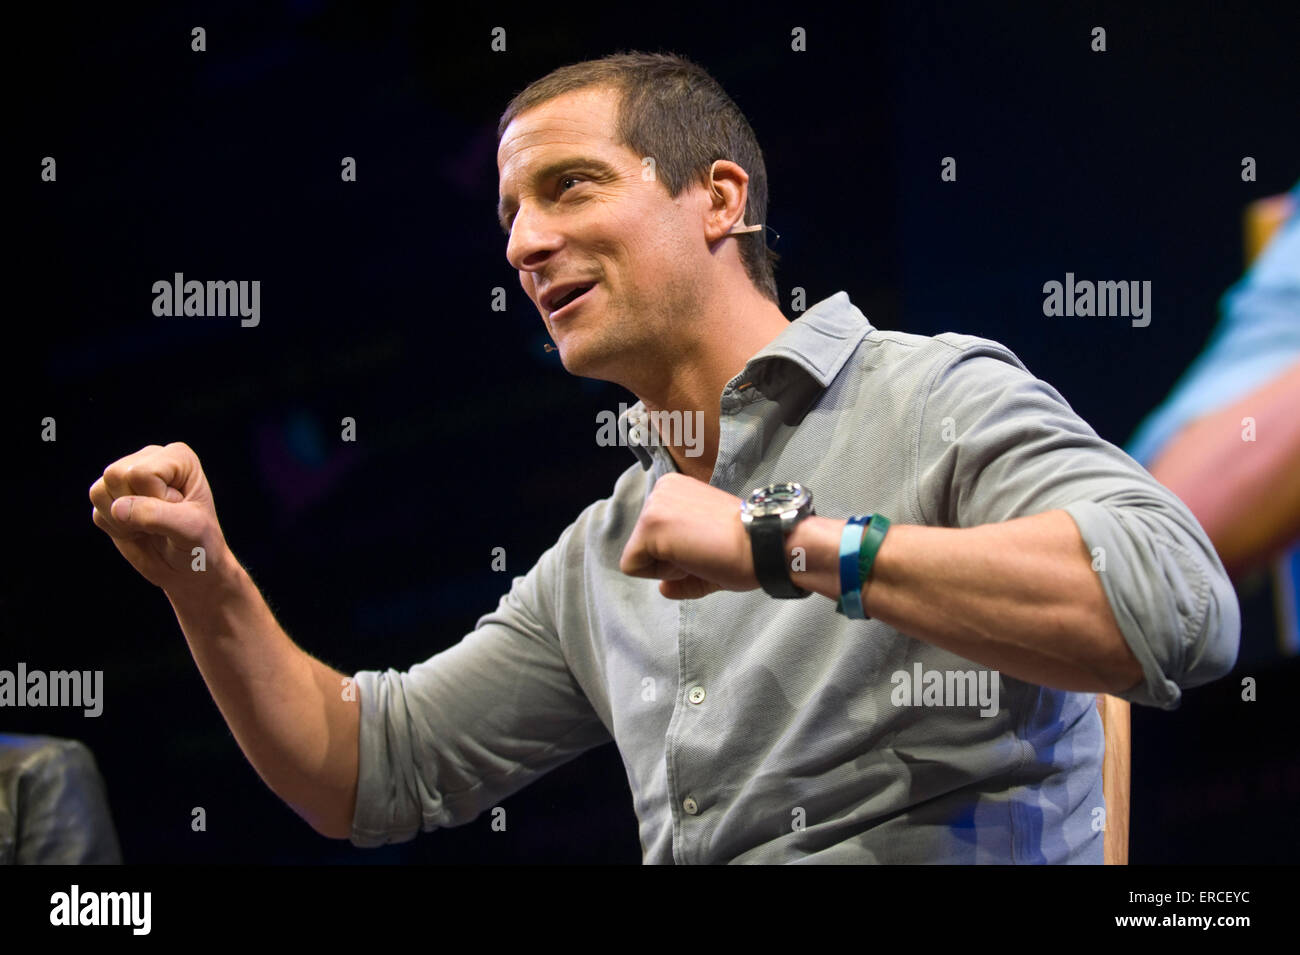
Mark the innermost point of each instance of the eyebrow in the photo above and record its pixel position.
(506, 205)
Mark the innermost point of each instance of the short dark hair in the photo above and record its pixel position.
(673, 110)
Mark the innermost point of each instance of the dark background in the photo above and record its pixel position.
(376, 305)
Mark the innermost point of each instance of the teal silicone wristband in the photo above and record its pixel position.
(872, 538)
(850, 602)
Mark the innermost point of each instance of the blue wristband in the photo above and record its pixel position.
(850, 582)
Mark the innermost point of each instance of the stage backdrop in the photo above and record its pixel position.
(376, 305)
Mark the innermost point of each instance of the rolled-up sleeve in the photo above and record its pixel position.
(996, 443)
(461, 731)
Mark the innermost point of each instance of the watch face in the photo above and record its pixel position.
(776, 499)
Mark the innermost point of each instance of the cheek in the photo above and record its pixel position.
(639, 248)
(649, 255)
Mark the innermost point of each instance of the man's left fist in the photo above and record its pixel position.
(690, 537)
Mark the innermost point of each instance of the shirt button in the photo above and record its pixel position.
(696, 695)
(690, 805)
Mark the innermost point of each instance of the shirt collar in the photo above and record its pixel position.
(819, 341)
(796, 366)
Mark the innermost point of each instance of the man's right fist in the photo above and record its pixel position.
(157, 507)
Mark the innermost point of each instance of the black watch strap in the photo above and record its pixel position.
(767, 542)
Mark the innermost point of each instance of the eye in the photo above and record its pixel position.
(563, 179)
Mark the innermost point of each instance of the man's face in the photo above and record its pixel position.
(579, 212)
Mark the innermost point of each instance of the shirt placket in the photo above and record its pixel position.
(690, 792)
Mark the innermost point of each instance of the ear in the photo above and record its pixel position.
(729, 192)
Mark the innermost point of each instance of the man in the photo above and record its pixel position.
(1029, 565)
(53, 804)
(1226, 439)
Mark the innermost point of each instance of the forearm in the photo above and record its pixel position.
(286, 709)
(1241, 484)
(1018, 596)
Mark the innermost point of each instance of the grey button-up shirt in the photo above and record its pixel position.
(762, 730)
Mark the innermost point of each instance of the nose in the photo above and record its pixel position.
(531, 242)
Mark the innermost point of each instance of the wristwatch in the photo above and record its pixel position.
(769, 514)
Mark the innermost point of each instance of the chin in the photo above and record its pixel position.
(579, 359)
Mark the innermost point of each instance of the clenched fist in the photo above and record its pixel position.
(690, 537)
(156, 506)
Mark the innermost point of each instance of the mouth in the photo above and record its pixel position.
(570, 301)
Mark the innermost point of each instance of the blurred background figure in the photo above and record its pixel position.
(1227, 438)
(53, 807)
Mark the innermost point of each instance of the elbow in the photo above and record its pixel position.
(1218, 650)
(1187, 643)
(336, 832)
(338, 826)
(1129, 674)
(334, 829)
(331, 823)
(1205, 616)
(1212, 649)
(1221, 633)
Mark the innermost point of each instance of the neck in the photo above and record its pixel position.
(725, 334)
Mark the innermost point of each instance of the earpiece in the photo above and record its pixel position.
(740, 228)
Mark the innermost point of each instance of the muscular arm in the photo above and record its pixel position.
(1017, 497)
(1019, 596)
(286, 709)
(1245, 493)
